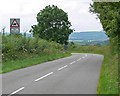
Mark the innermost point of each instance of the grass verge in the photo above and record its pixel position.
(11, 65)
(108, 82)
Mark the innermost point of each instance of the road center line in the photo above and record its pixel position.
(83, 57)
(72, 62)
(16, 91)
(43, 76)
(62, 67)
(78, 59)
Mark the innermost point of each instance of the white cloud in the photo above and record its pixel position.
(27, 10)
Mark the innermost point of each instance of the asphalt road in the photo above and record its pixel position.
(77, 74)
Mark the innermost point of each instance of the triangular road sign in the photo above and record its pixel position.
(14, 23)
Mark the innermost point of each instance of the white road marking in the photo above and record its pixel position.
(46, 75)
(83, 57)
(72, 62)
(62, 67)
(43, 76)
(16, 91)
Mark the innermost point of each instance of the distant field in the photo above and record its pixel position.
(89, 38)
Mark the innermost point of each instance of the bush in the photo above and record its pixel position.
(18, 47)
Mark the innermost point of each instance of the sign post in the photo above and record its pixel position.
(14, 25)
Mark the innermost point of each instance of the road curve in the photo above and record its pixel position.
(77, 74)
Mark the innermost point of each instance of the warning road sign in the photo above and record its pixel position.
(15, 25)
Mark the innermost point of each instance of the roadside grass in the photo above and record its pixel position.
(108, 81)
(20, 52)
(23, 63)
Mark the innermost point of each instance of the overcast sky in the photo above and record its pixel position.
(27, 11)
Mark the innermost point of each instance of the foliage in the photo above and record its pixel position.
(20, 52)
(52, 25)
(109, 15)
(18, 47)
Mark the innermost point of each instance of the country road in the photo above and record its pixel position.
(77, 74)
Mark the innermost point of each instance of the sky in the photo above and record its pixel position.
(78, 13)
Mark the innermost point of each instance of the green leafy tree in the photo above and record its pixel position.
(109, 15)
(52, 25)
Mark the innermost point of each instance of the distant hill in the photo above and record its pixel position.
(89, 37)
